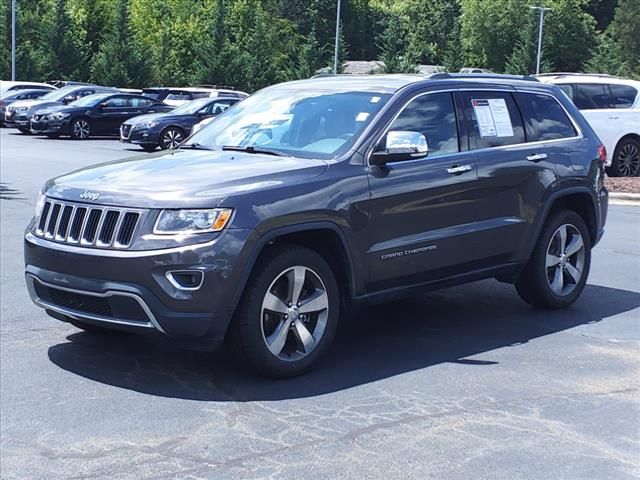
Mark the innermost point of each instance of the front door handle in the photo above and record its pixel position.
(536, 157)
(458, 169)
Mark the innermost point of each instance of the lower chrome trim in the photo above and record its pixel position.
(78, 315)
(99, 252)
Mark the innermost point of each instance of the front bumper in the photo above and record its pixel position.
(130, 289)
(16, 119)
(44, 126)
(139, 136)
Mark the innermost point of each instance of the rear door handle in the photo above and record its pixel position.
(536, 157)
(458, 169)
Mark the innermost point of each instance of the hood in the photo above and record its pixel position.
(154, 116)
(35, 102)
(182, 178)
(56, 107)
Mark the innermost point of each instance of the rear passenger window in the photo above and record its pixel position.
(622, 96)
(544, 118)
(591, 96)
(434, 116)
(492, 119)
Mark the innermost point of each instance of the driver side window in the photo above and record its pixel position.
(434, 116)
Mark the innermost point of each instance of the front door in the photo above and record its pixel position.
(424, 215)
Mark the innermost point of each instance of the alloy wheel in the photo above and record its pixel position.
(565, 260)
(81, 129)
(629, 160)
(294, 313)
(172, 138)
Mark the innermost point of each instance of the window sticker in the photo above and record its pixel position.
(362, 117)
(493, 117)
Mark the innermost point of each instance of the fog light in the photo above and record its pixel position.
(185, 279)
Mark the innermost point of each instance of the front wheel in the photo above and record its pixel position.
(288, 314)
(626, 159)
(559, 266)
(80, 129)
(171, 137)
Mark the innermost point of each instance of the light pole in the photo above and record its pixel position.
(335, 52)
(542, 10)
(13, 40)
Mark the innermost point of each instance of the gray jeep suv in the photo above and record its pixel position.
(315, 195)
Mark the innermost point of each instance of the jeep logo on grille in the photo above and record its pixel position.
(87, 195)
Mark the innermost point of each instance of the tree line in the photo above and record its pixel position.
(253, 43)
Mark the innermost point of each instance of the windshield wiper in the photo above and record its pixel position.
(194, 146)
(252, 149)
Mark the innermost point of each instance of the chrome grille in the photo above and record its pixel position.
(86, 225)
(125, 131)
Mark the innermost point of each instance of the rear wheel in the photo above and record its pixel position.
(288, 314)
(626, 159)
(80, 129)
(559, 266)
(171, 137)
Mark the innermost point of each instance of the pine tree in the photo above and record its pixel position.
(394, 50)
(119, 61)
(309, 57)
(5, 40)
(522, 60)
(453, 57)
(61, 34)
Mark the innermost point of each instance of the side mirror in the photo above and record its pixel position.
(400, 145)
(102, 105)
(68, 99)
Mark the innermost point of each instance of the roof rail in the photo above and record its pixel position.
(206, 85)
(575, 74)
(497, 76)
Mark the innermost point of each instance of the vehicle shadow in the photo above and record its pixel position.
(380, 342)
(8, 193)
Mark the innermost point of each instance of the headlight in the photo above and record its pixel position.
(192, 221)
(20, 109)
(58, 116)
(40, 201)
(149, 124)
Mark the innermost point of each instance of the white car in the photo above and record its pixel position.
(179, 96)
(611, 105)
(10, 86)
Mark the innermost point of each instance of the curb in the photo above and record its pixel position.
(619, 198)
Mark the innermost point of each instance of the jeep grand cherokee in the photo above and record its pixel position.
(314, 195)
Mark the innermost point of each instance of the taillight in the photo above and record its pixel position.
(602, 154)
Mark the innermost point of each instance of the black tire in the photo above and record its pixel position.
(626, 159)
(535, 283)
(80, 129)
(53, 135)
(26, 131)
(148, 148)
(171, 137)
(248, 331)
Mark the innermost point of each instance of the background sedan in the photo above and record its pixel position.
(99, 114)
(168, 130)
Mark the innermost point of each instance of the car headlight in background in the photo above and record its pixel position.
(58, 116)
(192, 221)
(40, 201)
(149, 124)
(20, 109)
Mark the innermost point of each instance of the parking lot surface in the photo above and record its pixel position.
(464, 383)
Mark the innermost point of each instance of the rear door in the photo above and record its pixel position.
(513, 175)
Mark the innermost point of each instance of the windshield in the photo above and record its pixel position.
(90, 100)
(190, 107)
(308, 124)
(57, 95)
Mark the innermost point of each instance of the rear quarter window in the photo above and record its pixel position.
(591, 96)
(622, 96)
(544, 118)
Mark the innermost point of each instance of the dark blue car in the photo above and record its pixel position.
(168, 130)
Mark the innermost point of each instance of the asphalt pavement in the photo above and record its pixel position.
(459, 384)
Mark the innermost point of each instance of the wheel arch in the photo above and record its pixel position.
(578, 199)
(323, 237)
